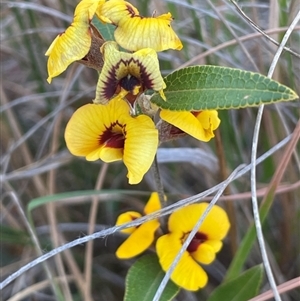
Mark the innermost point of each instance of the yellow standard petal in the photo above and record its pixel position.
(109, 133)
(215, 225)
(187, 274)
(129, 72)
(138, 241)
(154, 32)
(153, 203)
(199, 125)
(135, 32)
(127, 217)
(73, 44)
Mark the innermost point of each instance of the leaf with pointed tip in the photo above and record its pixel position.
(214, 88)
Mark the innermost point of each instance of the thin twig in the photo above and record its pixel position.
(233, 42)
(258, 226)
(242, 46)
(257, 28)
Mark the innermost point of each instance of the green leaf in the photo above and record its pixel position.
(243, 287)
(144, 278)
(213, 88)
(106, 30)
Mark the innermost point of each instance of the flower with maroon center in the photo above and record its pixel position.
(188, 274)
(128, 74)
(110, 133)
(142, 236)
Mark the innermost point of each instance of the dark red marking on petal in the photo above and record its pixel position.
(197, 240)
(112, 138)
(111, 83)
(130, 10)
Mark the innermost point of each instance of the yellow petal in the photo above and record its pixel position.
(86, 9)
(153, 203)
(199, 127)
(209, 120)
(187, 274)
(89, 122)
(184, 219)
(115, 10)
(68, 47)
(140, 147)
(73, 44)
(83, 130)
(138, 241)
(127, 217)
(134, 33)
(109, 154)
(142, 65)
(215, 244)
(215, 225)
(204, 254)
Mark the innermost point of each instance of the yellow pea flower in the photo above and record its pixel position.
(128, 74)
(188, 274)
(140, 237)
(110, 133)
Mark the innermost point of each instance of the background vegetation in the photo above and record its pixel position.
(35, 163)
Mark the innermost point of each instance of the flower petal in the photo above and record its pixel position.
(115, 10)
(135, 32)
(187, 274)
(83, 130)
(204, 254)
(130, 33)
(184, 219)
(86, 9)
(215, 225)
(153, 203)
(199, 127)
(127, 217)
(89, 122)
(73, 44)
(68, 47)
(140, 147)
(139, 240)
